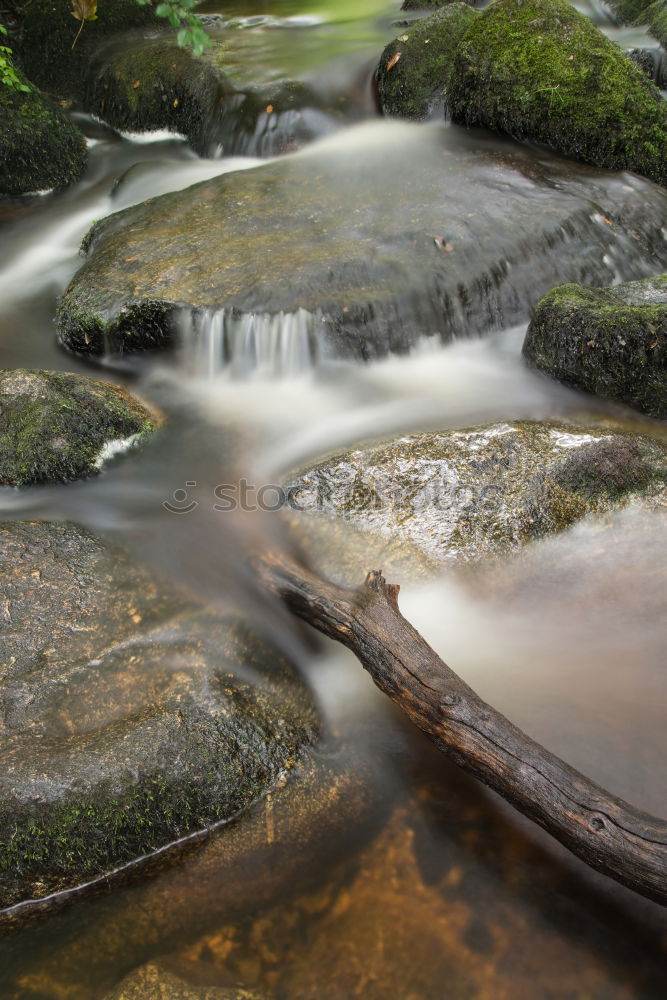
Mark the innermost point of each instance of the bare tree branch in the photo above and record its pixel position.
(602, 830)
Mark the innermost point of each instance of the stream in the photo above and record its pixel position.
(430, 887)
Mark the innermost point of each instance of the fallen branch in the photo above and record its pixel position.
(602, 830)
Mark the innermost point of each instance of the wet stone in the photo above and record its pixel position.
(128, 718)
(460, 495)
(424, 231)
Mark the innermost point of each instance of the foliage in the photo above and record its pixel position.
(8, 75)
(179, 14)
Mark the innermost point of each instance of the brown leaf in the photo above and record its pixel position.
(394, 59)
(84, 10)
(136, 84)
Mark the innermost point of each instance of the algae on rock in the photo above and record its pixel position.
(608, 341)
(414, 69)
(539, 70)
(57, 426)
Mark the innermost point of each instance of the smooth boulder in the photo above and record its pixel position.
(58, 426)
(414, 69)
(540, 71)
(462, 495)
(608, 341)
(423, 231)
(129, 717)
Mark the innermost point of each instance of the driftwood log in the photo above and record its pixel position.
(602, 830)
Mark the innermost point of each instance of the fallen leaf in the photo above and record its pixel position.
(394, 59)
(403, 38)
(136, 84)
(84, 10)
(605, 219)
(269, 109)
(175, 103)
(590, 343)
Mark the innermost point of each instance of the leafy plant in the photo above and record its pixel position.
(179, 14)
(8, 75)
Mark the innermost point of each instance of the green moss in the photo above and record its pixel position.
(155, 86)
(414, 69)
(539, 70)
(53, 425)
(612, 342)
(40, 148)
(48, 30)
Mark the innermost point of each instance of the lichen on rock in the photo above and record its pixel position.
(539, 70)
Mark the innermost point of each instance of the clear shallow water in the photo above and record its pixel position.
(436, 880)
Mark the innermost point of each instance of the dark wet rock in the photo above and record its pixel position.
(653, 62)
(156, 982)
(40, 148)
(608, 341)
(539, 70)
(57, 426)
(414, 69)
(128, 718)
(420, 231)
(461, 495)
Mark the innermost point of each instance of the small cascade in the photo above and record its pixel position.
(213, 341)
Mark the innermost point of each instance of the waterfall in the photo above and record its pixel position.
(272, 344)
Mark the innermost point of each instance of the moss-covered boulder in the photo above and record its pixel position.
(461, 495)
(129, 718)
(310, 237)
(40, 148)
(155, 981)
(608, 341)
(539, 70)
(431, 4)
(57, 426)
(414, 69)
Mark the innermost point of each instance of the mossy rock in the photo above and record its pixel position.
(155, 981)
(431, 4)
(153, 86)
(458, 496)
(48, 31)
(414, 69)
(307, 235)
(57, 426)
(40, 148)
(538, 70)
(608, 341)
(130, 717)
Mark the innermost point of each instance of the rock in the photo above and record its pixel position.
(40, 148)
(461, 495)
(155, 982)
(540, 71)
(430, 4)
(57, 426)
(414, 69)
(608, 341)
(128, 717)
(365, 253)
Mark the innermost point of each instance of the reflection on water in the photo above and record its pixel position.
(378, 870)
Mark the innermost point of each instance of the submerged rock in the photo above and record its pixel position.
(40, 148)
(372, 239)
(414, 69)
(609, 341)
(539, 70)
(57, 426)
(128, 718)
(461, 495)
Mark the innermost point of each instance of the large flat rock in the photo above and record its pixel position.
(373, 238)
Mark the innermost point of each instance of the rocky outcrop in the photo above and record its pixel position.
(128, 718)
(307, 237)
(608, 341)
(538, 70)
(40, 148)
(461, 495)
(57, 426)
(414, 69)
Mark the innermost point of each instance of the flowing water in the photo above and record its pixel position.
(436, 889)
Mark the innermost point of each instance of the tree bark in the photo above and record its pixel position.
(602, 830)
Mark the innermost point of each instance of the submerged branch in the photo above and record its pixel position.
(602, 830)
